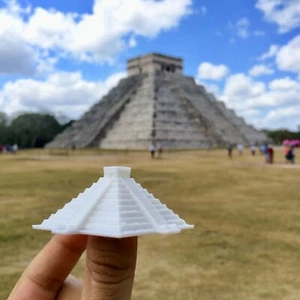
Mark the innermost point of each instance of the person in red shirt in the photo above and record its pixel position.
(270, 155)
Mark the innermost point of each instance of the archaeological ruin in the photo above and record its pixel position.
(156, 103)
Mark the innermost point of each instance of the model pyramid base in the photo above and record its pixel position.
(115, 206)
(112, 234)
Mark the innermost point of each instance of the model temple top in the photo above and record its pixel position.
(114, 206)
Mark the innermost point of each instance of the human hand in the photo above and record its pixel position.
(109, 270)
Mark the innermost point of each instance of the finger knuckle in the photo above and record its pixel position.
(109, 269)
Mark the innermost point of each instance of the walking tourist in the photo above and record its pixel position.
(159, 150)
(229, 149)
(253, 150)
(240, 148)
(152, 150)
(290, 155)
(270, 155)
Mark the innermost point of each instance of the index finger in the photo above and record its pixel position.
(46, 273)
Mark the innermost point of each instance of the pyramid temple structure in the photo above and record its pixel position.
(156, 103)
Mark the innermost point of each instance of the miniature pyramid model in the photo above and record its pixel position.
(114, 206)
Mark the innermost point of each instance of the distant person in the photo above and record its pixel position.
(7, 148)
(253, 150)
(152, 150)
(159, 150)
(229, 149)
(261, 149)
(240, 148)
(270, 155)
(290, 156)
(265, 151)
(14, 148)
(286, 150)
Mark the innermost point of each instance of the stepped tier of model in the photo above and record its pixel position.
(114, 206)
(157, 104)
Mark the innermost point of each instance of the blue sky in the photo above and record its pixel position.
(62, 56)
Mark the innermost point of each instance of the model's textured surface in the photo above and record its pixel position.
(115, 206)
(157, 104)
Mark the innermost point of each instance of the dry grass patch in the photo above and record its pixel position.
(245, 244)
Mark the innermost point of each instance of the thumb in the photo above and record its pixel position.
(110, 267)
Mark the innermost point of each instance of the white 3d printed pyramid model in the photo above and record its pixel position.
(114, 206)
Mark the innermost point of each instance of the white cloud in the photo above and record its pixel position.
(285, 13)
(272, 105)
(100, 36)
(47, 28)
(271, 53)
(96, 37)
(263, 105)
(281, 117)
(284, 84)
(132, 42)
(45, 63)
(14, 7)
(15, 56)
(239, 87)
(243, 92)
(259, 70)
(242, 28)
(288, 57)
(284, 112)
(207, 70)
(60, 92)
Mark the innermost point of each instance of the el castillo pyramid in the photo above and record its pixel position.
(156, 103)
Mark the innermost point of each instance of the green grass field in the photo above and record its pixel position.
(246, 241)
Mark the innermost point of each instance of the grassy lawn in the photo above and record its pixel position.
(246, 241)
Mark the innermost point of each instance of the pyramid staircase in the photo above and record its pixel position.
(94, 123)
(198, 96)
(214, 138)
(170, 109)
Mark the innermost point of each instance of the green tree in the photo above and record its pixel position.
(278, 136)
(3, 128)
(31, 130)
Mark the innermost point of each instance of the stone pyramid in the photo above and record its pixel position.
(115, 206)
(157, 103)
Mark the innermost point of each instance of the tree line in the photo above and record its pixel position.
(29, 130)
(279, 135)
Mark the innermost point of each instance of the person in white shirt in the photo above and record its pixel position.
(152, 150)
(240, 148)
